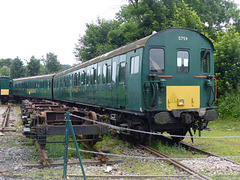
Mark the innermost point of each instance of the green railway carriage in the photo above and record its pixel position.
(6, 88)
(35, 86)
(162, 83)
(165, 81)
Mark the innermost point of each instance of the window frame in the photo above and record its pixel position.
(98, 74)
(120, 73)
(131, 65)
(104, 74)
(182, 62)
(164, 59)
(207, 60)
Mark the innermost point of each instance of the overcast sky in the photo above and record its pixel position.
(36, 27)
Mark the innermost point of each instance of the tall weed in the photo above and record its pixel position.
(229, 106)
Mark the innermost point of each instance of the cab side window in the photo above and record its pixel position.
(205, 61)
(156, 60)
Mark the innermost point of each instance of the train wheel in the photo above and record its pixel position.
(93, 116)
(178, 133)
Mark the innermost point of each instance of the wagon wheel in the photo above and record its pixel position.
(93, 116)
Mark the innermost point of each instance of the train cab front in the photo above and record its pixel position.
(179, 89)
(183, 110)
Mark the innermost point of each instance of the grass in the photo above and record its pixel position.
(224, 147)
(175, 151)
(56, 150)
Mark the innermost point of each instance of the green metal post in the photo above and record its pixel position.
(69, 123)
(66, 145)
(78, 153)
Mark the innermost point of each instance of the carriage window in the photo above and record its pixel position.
(156, 60)
(108, 74)
(75, 79)
(183, 61)
(79, 79)
(93, 76)
(88, 77)
(122, 70)
(68, 82)
(205, 61)
(104, 75)
(99, 73)
(83, 77)
(114, 72)
(135, 65)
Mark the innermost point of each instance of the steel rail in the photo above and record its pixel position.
(190, 147)
(187, 146)
(44, 158)
(129, 176)
(5, 118)
(176, 163)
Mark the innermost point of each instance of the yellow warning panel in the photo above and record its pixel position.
(4, 92)
(183, 97)
(31, 91)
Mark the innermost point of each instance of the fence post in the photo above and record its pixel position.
(69, 123)
(66, 146)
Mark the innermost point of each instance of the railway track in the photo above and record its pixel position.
(5, 118)
(175, 163)
(190, 147)
(196, 149)
(44, 118)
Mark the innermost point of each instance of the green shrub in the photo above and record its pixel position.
(229, 106)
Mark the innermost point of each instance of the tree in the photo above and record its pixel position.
(33, 67)
(66, 66)
(185, 16)
(216, 14)
(95, 41)
(4, 71)
(227, 60)
(51, 63)
(135, 21)
(5, 62)
(17, 69)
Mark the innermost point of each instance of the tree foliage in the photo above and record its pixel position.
(228, 105)
(217, 14)
(33, 67)
(17, 69)
(5, 62)
(52, 64)
(95, 42)
(227, 60)
(4, 71)
(134, 21)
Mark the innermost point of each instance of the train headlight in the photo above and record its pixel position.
(180, 102)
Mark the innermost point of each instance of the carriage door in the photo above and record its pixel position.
(70, 85)
(122, 82)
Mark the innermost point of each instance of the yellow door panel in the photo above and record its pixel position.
(4, 92)
(183, 97)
